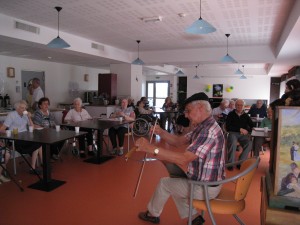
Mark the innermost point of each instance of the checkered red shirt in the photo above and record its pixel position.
(208, 143)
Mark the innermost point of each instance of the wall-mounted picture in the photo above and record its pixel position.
(287, 174)
(10, 72)
(218, 90)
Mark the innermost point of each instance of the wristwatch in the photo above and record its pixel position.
(156, 151)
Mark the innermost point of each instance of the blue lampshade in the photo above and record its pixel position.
(138, 61)
(179, 73)
(58, 43)
(243, 77)
(200, 26)
(238, 72)
(196, 77)
(228, 59)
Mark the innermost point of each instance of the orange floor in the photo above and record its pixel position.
(102, 194)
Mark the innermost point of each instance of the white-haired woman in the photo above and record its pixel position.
(16, 119)
(79, 114)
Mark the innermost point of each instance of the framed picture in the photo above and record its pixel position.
(218, 90)
(86, 77)
(287, 160)
(10, 72)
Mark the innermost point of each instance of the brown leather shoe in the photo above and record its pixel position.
(145, 216)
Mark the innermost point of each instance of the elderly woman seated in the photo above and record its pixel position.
(128, 114)
(45, 119)
(79, 114)
(19, 119)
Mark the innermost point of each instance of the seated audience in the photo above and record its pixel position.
(141, 108)
(164, 117)
(79, 114)
(231, 105)
(119, 131)
(258, 108)
(19, 120)
(259, 141)
(220, 113)
(238, 126)
(43, 118)
(4, 157)
(131, 103)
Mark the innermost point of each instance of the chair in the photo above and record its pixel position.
(228, 201)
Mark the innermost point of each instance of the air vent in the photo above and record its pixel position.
(27, 27)
(97, 46)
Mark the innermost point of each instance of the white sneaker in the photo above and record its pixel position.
(121, 152)
(4, 179)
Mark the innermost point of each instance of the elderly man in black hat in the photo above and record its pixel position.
(202, 160)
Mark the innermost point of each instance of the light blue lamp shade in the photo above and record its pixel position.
(200, 26)
(196, 77)
(179, 73)
(228, 59)
(58, 43)
(243, 77)
(138, 61)
(239, 72)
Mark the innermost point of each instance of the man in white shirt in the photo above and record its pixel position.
(37, 93)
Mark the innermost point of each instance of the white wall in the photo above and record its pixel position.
(57, 78)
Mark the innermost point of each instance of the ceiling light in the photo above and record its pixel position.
(227, 58)
(152, 19)
(243, 77)
(58, 42)
(138, 61)
(200, 26)
(238, 72)
(179, 72)
(196, 76)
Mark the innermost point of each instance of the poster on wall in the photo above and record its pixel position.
(218, 90)
(287, 174)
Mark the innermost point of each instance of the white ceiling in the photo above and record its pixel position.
(264, 33)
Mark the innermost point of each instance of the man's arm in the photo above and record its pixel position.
(180, 158)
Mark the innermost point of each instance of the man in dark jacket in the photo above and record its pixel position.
(239, 126)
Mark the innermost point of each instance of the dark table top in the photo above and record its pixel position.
(43, 136)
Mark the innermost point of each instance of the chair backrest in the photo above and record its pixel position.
(243, 182)
(65, 112)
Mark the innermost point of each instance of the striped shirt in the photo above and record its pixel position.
(44, 120)
(208, 143)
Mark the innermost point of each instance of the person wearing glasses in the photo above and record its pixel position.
(202, 157)
(79, 114)
(43, 118)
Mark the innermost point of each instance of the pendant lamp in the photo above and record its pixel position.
(58, 42)
(227, 58)
(179, 72)
(238, 72)
(196, 76)
(138, 61)
(243, 77)
(200, 26)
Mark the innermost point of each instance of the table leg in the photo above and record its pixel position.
(46, 184)
(100, 158)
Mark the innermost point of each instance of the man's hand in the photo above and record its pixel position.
(243, 131)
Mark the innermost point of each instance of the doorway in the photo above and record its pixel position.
(157, 91)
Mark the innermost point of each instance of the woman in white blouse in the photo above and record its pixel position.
(79, 114)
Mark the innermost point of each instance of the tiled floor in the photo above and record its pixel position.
(102, 194)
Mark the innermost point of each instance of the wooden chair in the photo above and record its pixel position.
(228, 201)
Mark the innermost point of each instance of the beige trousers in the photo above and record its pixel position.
(179, 189)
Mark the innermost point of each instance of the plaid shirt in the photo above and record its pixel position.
(208, 143)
